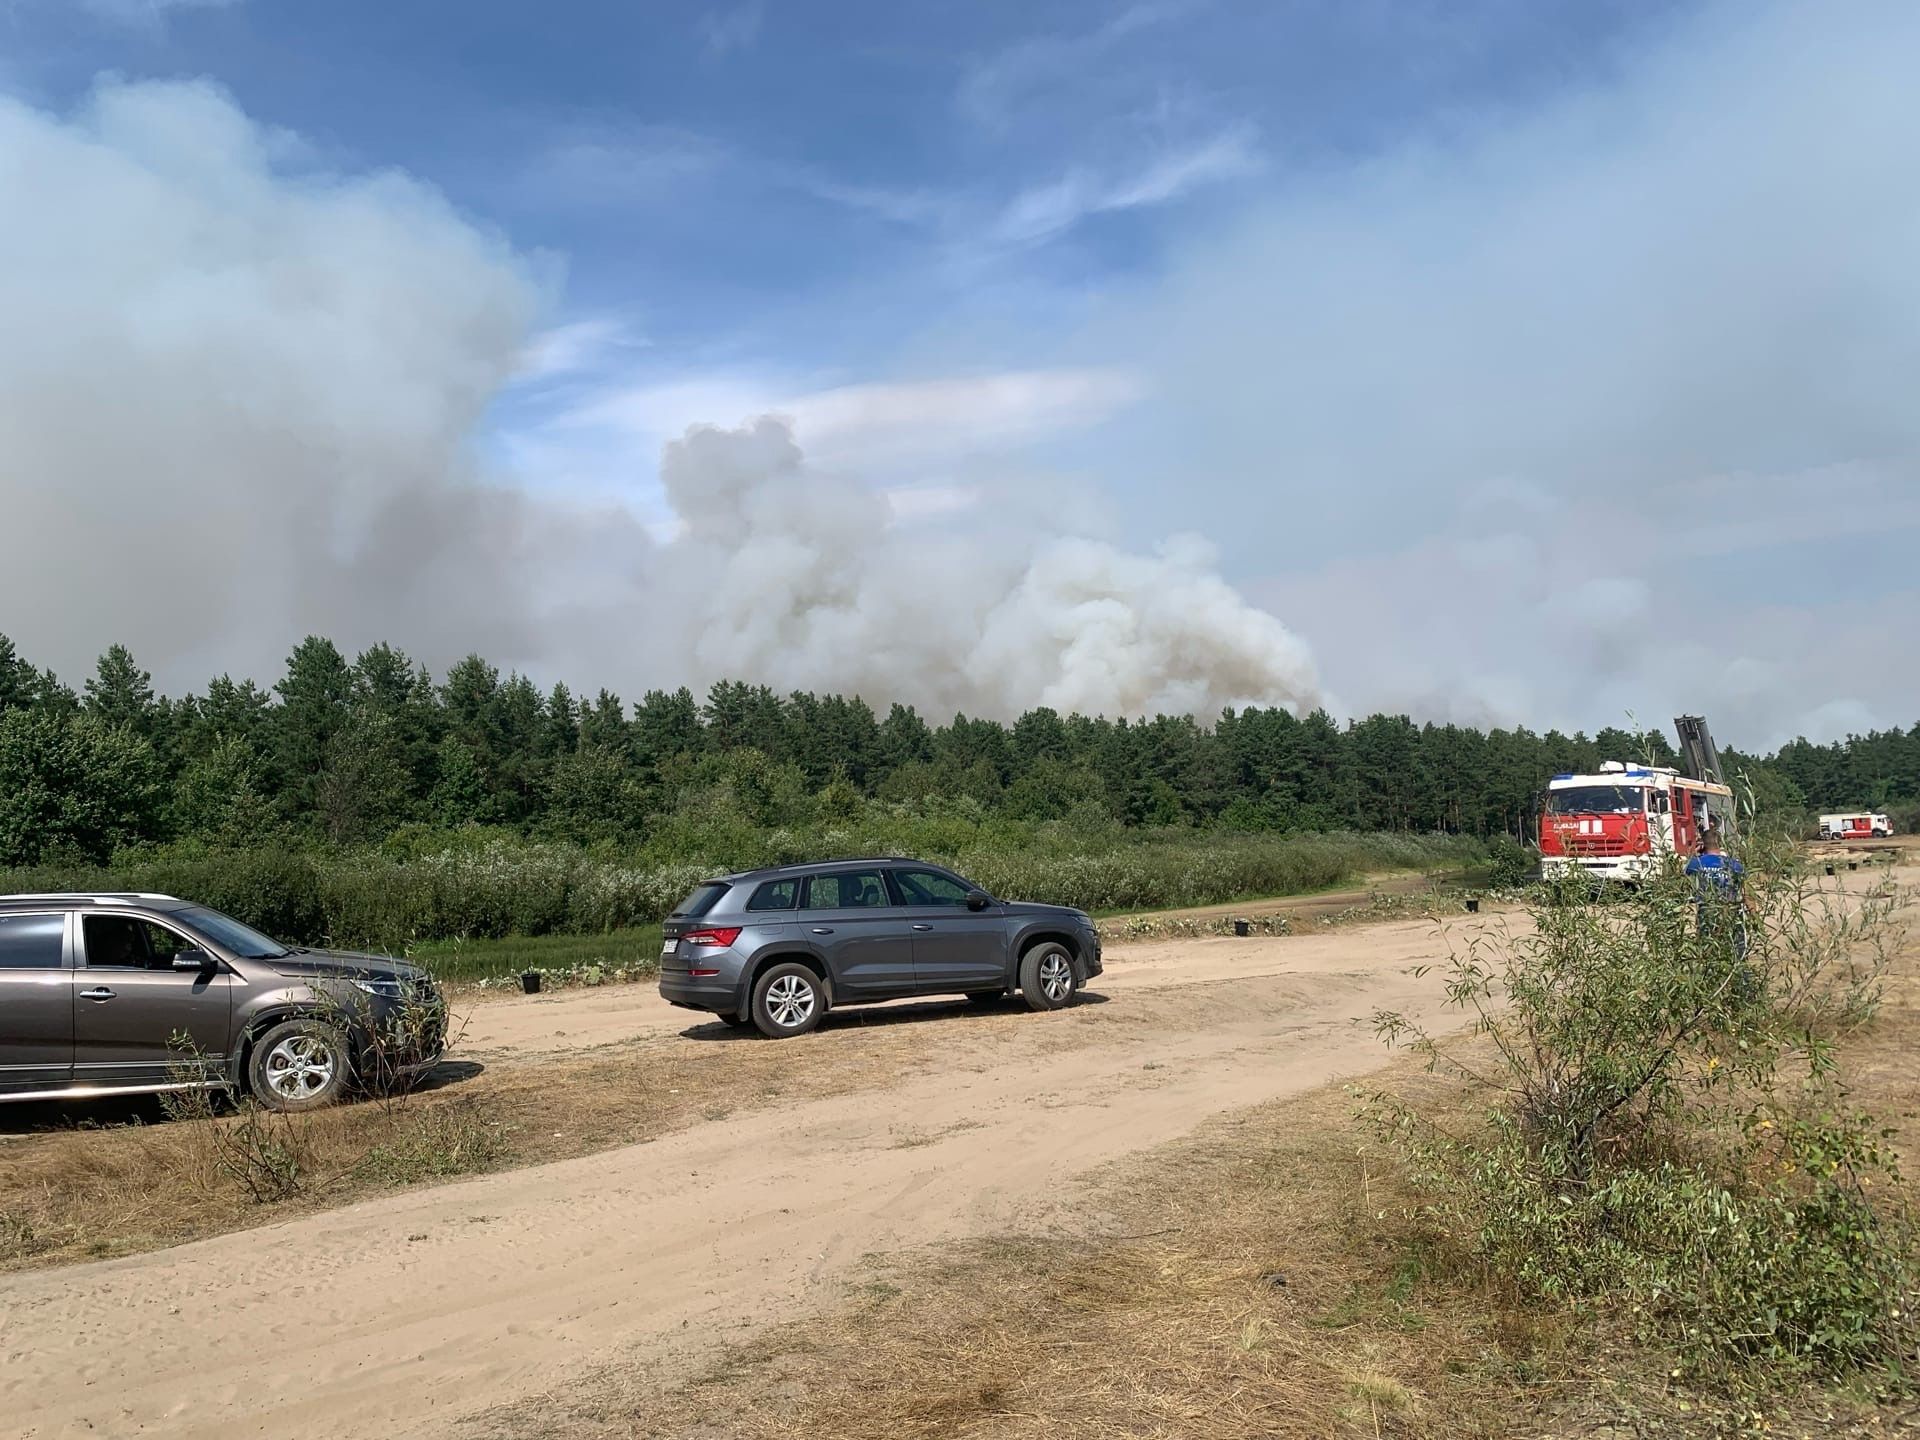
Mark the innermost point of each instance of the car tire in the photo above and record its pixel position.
(299, 1065)
(1048, 980)
(789, 999)
(986, 997)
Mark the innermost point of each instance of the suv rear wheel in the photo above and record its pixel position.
(1047, 978)
(788, 1000)
(298, 1065)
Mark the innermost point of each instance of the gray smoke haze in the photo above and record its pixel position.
(794, 583)
(1598, 403)
(240, 402)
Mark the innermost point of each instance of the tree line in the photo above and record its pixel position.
(347, 751)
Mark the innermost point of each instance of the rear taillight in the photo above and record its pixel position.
(722, 936)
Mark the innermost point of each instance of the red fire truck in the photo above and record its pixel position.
(1854, 825)
(1622, 822)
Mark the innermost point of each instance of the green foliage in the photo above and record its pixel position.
(478, 883)
(1509, 863)
(1668, 1133)
(72, 786)
(339, 753)
(434, 1142)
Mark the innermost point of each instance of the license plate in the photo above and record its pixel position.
(669, 947)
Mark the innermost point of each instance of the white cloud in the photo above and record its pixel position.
(732, 27)
(995, 88)
(865, 428)
(148, 12)
(601, 167)
(575, 348)
(1047, 210)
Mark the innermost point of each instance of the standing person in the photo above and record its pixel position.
(1718, 879)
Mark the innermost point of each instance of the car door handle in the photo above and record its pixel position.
(823, 929)
(99, 992)
(923, 927)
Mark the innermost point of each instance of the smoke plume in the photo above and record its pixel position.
(241, 401)
(797, 579)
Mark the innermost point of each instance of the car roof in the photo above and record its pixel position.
(815, 867)
(95, 897)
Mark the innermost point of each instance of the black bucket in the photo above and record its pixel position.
(1853, 864)
(1829, 869)
(1473, 907)
(1241, 927)
(530, 982)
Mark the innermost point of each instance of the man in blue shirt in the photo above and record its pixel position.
(1717, 879)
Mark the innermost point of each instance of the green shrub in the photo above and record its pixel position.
(1509, 863)
(1668, 1132)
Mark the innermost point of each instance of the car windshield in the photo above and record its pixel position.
(1597, 800)
(242, 940)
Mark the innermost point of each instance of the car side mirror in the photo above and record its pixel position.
(193, 960)
(978, 900)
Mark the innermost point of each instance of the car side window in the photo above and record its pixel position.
(855, 890)
(32, 942)
(775, 895)
(124, 942)
(929, 887)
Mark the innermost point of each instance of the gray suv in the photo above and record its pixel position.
(777, 949)
(128, 994)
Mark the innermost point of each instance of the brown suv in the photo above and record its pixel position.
(126, 994)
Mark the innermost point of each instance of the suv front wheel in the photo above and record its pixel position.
(298, 1065)
(788, 1000)
(1047, 978)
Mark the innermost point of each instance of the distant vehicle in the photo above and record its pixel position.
(776, 949)
(1621, 822)
(123, 994)
(1855, 825)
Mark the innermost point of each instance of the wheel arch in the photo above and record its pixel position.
(1048, 935)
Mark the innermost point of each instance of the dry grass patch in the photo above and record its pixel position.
(1255, 1281)
(144, 1180)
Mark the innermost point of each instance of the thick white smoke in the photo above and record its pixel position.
(240, 403)
(797, 575)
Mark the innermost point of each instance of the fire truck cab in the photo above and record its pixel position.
(1624, 821)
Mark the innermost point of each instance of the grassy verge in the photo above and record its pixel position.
(494, 885)
(618, 955)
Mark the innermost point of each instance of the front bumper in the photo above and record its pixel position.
(1623, 868)
(1090, 957)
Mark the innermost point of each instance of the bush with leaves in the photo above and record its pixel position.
(1668, 1132)
(1509, 863)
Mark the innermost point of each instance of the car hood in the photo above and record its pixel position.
(1030, 910)
(343, 965)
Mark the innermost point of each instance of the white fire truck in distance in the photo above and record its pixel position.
(1622, 822)
(1854, 825)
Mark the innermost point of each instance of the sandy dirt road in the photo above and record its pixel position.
(413, 1314)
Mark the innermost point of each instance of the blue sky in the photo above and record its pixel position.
(834, 190)
(1390, 302)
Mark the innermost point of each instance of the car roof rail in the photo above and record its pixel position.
(95, 897)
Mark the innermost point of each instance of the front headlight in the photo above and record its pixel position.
(385, 989)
